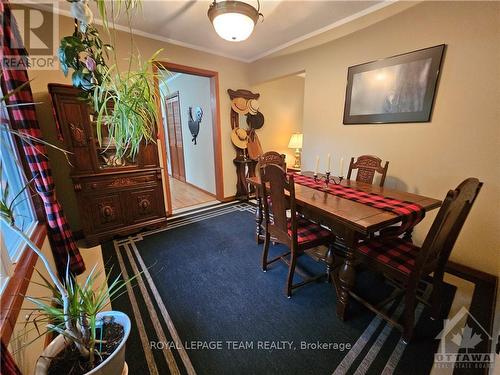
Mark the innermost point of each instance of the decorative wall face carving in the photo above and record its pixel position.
(245, 167)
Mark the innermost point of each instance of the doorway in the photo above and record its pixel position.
(189, 136)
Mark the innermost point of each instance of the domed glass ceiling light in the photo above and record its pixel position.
(233, 20)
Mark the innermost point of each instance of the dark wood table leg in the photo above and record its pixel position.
(259, 218)
(329, 259)
(347, 274)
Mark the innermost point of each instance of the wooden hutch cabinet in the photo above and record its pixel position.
(115, 196)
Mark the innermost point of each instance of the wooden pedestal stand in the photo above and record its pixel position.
(245, 167)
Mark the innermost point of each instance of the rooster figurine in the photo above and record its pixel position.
(194, 123)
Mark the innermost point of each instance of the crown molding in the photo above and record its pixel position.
(97, 21)
(324, 29)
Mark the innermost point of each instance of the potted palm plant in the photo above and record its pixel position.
(95, 341)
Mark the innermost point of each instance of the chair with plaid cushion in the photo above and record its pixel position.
(406, 264)
(270, 157)
(366, 166)
(296, 232)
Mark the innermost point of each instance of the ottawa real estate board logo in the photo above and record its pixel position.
(35, 30)
(464, 343)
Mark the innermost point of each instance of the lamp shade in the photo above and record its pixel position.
(233, 20)
(295, 141)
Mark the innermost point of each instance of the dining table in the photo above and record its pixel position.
(349, 220)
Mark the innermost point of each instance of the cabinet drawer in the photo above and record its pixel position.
(105, 212)
(117, 182)
(144, 204)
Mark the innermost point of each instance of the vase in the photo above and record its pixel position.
(113, 365)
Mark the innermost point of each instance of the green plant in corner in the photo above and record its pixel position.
(125, 103)
(132, 97)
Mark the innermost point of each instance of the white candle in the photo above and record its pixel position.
(341, 167)
(329, 163)
(317, 165)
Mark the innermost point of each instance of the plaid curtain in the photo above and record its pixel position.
(8, 365)
(23, 118)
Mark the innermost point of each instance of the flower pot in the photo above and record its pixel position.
(113, 365)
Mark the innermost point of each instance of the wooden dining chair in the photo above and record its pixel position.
(295, 232)
(405, 264)
(366, 166)
(270, 157)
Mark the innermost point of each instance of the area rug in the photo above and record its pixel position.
(202, 305)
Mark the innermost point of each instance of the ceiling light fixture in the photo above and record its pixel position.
(233, 20)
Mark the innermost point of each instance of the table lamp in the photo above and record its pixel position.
(296, 143)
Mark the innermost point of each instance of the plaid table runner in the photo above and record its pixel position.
(411, 213)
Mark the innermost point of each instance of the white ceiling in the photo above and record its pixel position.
(286, 22)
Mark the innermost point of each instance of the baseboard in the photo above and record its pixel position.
(228, 199)
(199, 188)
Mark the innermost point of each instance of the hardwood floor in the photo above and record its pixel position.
(185, 195)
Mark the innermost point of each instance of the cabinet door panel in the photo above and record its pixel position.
(74, 119)
(106, 212)
(144, 204)
(149, 155)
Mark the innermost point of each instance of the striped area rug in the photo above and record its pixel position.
(201, 305)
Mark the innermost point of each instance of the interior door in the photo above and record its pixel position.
(174, 130)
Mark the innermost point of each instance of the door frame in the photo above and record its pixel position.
(216, 124)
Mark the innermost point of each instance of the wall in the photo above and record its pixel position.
(232, 74)
(194, 91)
(282, 103)
(462, 139)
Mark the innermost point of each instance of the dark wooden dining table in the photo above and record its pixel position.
(352, 221)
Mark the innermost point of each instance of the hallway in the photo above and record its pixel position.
(185, 195)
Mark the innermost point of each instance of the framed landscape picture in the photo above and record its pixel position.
(396, 89)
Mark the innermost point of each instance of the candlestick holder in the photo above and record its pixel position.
(340, 178)
(328, 178)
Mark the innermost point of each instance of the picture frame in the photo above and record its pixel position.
(397, 89)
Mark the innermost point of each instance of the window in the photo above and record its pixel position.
(11, 244)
